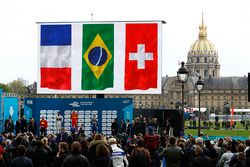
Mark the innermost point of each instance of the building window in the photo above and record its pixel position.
(198, 59)
(205, 73)
(198, 72)
(213, 73)
(205, 59)
(232, 97)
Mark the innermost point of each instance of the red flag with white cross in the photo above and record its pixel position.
(141, 59)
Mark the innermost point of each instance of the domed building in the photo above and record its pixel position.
(202, 60)
(203, 57)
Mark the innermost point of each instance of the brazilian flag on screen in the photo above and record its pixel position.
(98, 56)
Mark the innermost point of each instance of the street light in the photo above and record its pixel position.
(182, 75)
(199, 86)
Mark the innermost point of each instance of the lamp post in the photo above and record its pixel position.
(199, 86)
(182, 75)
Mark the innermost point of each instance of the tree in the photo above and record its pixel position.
(5, 87)
(18, 87)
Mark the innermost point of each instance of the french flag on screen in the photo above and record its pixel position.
(55, 57)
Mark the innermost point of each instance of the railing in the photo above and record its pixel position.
(228, 117)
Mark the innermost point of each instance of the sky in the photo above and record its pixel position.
(228, 28)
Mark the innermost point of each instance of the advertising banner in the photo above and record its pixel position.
(1, 112)
(10, 106)
(104, 111)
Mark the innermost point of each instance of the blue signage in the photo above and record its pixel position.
(10, 108)
(1, 112)
(105, 110)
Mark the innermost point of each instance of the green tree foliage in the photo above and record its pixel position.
(18, 87)
(5, 87)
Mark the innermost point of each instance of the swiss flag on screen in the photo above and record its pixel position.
(141, 58)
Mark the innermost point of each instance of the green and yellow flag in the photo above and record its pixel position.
(98, 56)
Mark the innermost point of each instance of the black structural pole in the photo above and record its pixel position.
(199, 115)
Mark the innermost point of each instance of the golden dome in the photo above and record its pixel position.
(202, 46)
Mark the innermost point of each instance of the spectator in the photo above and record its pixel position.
(140, 156)
(63, 152)
(184, 157)
(118, 155)
(40, 156)
(238, 161)
(247, 145)
(31, 148)
(21, 160)
(130, 147)
(103, 156)
(246, 162)
(98, 139)
(200, 160)
(137, 126)
(3, 159)
(238, 157)
(75, 159)
(211, 152)
(226, 157)
(128, 127)
(172, 153)
(48, 149)
(84, 147)
(152, 142)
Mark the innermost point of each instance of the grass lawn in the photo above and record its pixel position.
(221, 132)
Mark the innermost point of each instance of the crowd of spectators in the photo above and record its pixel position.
(140, 146)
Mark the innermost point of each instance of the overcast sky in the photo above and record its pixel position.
(228, 27)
